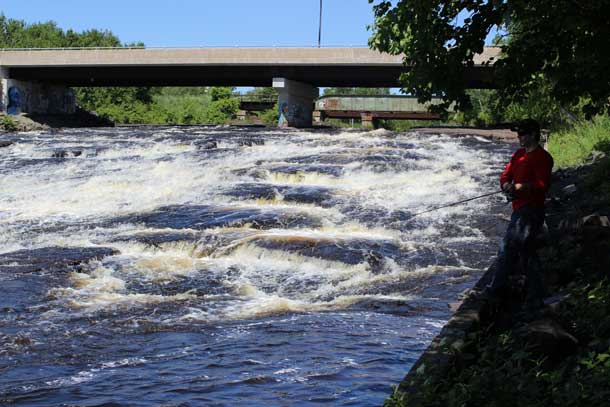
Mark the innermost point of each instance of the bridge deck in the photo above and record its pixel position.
(219, 66)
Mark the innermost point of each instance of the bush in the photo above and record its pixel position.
(220, 111)
(8, 124)
(219, 93)
(270, 116)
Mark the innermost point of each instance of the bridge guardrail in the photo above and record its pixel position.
(185, 47)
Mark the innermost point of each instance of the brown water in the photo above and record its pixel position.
(138, 266)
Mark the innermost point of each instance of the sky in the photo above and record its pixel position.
(202, 23)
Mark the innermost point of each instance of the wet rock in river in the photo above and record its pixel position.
(5, 143)
(219, 240)
(50, 258)
(327, 169)
(206, 216)
(159, 238)
(59, 154)
(251, 142)
(349, 251)
(288, 193)
(209, 145)
(66, 153)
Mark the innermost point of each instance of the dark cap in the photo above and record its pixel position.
(526, 126)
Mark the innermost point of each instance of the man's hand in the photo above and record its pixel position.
(522, 187)
(509, 187)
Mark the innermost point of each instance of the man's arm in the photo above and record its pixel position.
(506, 179)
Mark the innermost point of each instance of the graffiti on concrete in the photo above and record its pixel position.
(14, 100)
(289, 114)
(283, 113)
(69, 101)
(41, 99)
(295, 112)
(61, 101)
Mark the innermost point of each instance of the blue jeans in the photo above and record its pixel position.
(519, 250)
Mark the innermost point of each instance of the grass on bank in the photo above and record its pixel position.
(572, 146)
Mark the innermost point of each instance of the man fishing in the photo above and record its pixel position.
(526, 179)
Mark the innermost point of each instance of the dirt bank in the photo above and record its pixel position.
(38, 122)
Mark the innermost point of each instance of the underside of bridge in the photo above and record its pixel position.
(244, 75)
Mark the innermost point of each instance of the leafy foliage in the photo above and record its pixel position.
(560, 44)
(167, 107)
(19, 34)
(219, 111)
(8, 124)
(218, 93)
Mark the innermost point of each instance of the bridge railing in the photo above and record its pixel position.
(181, 47)
(255, 98)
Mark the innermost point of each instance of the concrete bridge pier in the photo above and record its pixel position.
(34, 97)
(3, 89)
(368, 120)
(296, 102)
(319, 116)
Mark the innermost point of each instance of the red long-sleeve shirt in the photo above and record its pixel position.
(533, 168)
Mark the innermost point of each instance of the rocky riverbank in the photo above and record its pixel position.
(37, 122)
(495, 353)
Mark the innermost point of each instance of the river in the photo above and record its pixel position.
(215, 266)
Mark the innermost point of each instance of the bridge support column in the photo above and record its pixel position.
(3, 89)
(319, 116)
(368, 120)
(34, 97)
(295, 102)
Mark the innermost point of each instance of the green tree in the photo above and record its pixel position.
(221, 92)
(219, 111)
(557, 44)
(19, 34)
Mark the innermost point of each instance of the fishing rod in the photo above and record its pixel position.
(453, 204)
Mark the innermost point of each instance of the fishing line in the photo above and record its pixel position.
(453, 204)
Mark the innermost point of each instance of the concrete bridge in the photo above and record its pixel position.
(38, 80)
